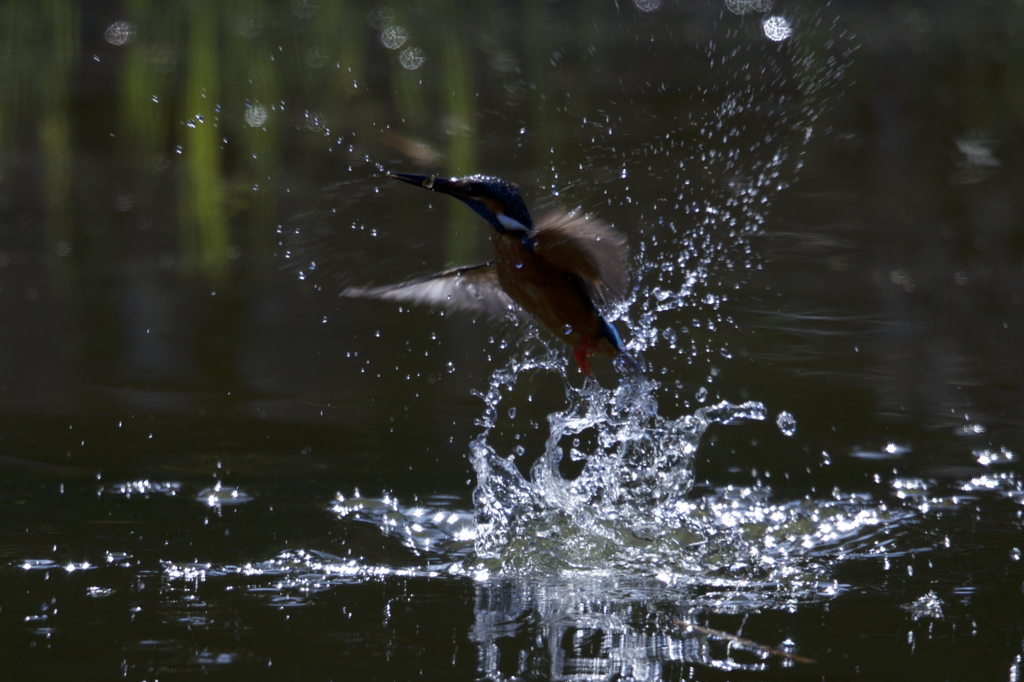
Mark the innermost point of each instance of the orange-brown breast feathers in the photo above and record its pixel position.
(588, 247)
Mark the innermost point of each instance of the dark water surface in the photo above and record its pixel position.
(212, 464)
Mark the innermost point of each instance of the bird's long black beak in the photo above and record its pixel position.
(428, 182)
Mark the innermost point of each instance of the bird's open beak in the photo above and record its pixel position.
(429, 182)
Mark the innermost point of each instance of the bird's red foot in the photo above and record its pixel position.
(582, 361)
(586, 349)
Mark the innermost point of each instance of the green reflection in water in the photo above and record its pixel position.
(405, 82)
(460, 95)
(205, 234)
(252, 124)
(341, 29)
(60, 22)
(144, 82)
(539, 47)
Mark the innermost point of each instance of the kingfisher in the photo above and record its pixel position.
(560, 271)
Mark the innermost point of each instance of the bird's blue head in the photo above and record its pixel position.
(495, 200)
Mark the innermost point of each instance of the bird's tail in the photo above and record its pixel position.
(624, 362)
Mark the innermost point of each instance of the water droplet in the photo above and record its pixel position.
(743, 6)
(519, 266)
(786, 423)
(119, 33)
(255, 114)
(647, 5)
(412, 58)
(702, 394)
(567, 329)
(511, 413)
(156, 99)
(393, 36)
(776, 28)
(669, 335)
(789, 645)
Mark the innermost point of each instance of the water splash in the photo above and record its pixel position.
(630, 494)
(734, 550)
(628, 512)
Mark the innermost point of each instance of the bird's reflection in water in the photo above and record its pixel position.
(600, 628)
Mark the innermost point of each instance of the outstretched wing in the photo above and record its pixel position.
(472, 288)
(589, 247)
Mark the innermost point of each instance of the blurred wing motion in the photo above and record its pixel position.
(588, 247)
(473, 288)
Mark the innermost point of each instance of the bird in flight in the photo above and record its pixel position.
(560, 271)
